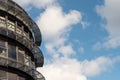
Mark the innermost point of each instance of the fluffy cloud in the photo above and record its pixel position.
(35, 3)
(66, 50)
(95, 67)
(54, 22)
(71, 69)
(63, 69)
(55, 26)
(110, 12)
(113, 43)
(23, 3)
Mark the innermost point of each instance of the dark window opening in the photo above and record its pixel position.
(12, 51)
(2, 43)
(2, 48)
(3, 52)
(21, 55)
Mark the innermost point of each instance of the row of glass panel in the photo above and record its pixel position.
(9, 76)
(14, 9)
(12, 27)
(13, 52)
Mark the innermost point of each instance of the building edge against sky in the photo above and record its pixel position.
(20, 39)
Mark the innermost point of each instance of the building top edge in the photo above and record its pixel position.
(30, 23)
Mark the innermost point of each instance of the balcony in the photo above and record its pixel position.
(15, 32)
(10, 30)
(14, 9)
(12, 63)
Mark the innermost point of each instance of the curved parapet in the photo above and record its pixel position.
(14, 65)
(39, 59)
(14, 9)
(37, 34)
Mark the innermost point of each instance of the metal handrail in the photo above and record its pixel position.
(4, 61)
(25, 41)
(18, 9)
(30, 42)
(14, 9)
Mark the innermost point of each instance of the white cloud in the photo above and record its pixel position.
(55, 26)
(23, 2)
(110, 12)
(111, 42)
(43, 3)
(66, 50)
(59, 50)
(54, 22)
(72, 69)
(35, 3)
(63, 69)
(95, 67)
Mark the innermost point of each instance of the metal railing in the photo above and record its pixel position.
(12, 33)
(4, 61)
(14, 9)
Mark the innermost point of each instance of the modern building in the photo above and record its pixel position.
(20, 39)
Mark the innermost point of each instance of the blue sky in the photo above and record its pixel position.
(80, 39)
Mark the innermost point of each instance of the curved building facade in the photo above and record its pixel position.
(20, 39)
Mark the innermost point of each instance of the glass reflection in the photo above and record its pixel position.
(21, 56)
(11, 51)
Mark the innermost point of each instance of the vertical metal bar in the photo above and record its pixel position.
(6, 24)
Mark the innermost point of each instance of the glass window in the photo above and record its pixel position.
(19, 31)
(33, 65)
(11, 26)
(21, 54)
(12, 76)
(3, 52)
(27, 60)
(26, 34)
(2, 48)
(2, 43)
(3, 75)
(11, 51)
(2, 21)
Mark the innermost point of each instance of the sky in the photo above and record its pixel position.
(80, 38)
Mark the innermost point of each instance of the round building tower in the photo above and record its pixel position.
(20, 39)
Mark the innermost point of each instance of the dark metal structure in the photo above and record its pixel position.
(19, 41)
